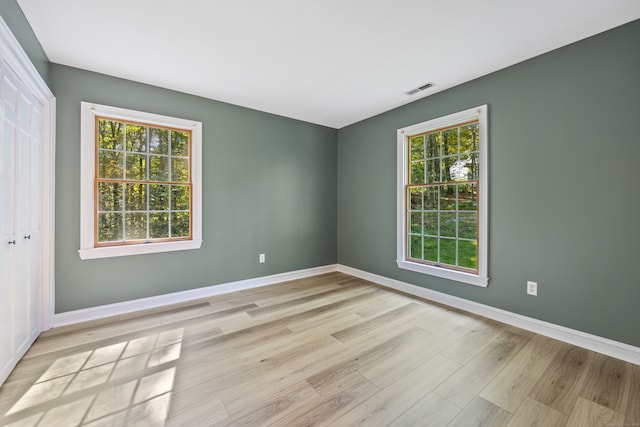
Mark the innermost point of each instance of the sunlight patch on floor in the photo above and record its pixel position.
(86, 389)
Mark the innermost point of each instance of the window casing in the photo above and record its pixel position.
(442, 197)
(141, 182)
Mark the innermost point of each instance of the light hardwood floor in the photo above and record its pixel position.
(328, 350)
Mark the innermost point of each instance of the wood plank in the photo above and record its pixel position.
(203, 413)
(326, 409)
(270, 405)
(196, 407)
(481, 413)
(605, 382)
(431, 410)
(282, 370)
(589, 414)
(330, 378)
(384, 303)
(472, 377)
(533, 413)
(559, 385)
(322, 330)
(354, 308)
(476, 338)
(387, 319)
(632, 413)
(396, 399)
(510, 388)
(296, 303)
(402, 361)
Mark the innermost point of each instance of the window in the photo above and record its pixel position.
(141, 182)
(442, 197)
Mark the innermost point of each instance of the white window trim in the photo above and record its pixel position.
(481, 114)
(87, 250)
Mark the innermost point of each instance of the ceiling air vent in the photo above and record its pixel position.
(420, 89)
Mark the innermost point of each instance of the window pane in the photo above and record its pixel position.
(431, 223)
(447, 197)
(474, 166)
(136, 138)
(158, 197)
(158, 168)
(416, 247)
(468, 254)
(431, 249)
(158, 225)
(159, 141)
(447, 164)
(431, 198)
(416, 222)
(448, 251)
(109, 227)
(109, 196)
(180, 198)
(110, 134)
(110, 164)
(460, 171)
(450, 142)
(467, 226)
(417, 148)
(433, 171)
(179, 143)
(180, 224)
(135, 226)
(417, 172)
(469, 138)
(136, 197)
(180, 170)
(137, 166)
(467, 197)
(448, 224)
(416, 198)
(433, 145)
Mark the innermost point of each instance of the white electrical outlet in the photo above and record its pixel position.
(532, 288)
(261, 258)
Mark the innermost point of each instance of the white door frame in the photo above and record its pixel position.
(12, 53)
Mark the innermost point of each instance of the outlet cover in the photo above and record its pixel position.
(261, 258)
(532, 288)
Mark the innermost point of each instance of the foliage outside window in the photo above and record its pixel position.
(145, 176)
(442, 209)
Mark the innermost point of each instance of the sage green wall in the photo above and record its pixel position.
(269, 186)
(564, 186)
(19, 26)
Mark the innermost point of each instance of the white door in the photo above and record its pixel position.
(8, 126)
(34, 236)
(20, 218)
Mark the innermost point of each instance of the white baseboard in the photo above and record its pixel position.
(110, 310)
(595, 343)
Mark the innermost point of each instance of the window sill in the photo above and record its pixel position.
(458, 276)
(146, 248)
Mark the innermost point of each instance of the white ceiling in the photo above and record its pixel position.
(331, 62)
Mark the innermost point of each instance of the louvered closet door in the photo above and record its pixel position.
(20, 217)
